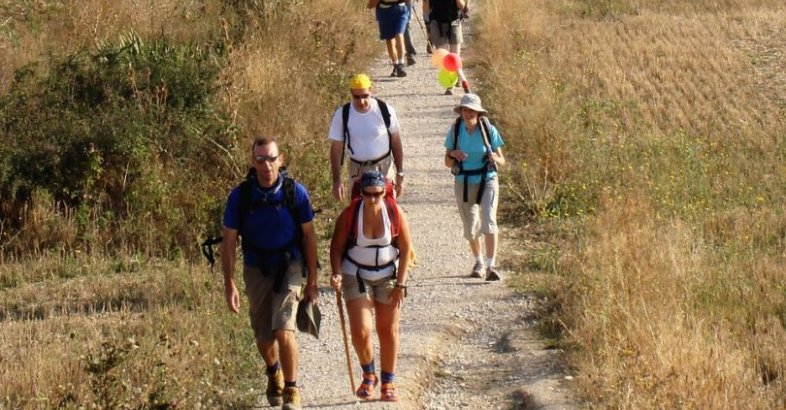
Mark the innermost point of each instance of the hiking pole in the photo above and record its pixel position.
(346, 343)
(422, 28)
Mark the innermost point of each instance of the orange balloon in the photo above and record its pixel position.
(437, 56)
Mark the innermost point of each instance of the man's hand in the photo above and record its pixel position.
(338, 191)
(399, 186)
(310, 293)
(232, 297)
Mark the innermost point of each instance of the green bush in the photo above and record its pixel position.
(125, 129)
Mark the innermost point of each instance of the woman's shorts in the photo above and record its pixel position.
(478, 219)
(442, 34)
(376, 290)
(392, 20)
(270, 311)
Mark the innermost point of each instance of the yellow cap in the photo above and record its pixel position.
(359, 82)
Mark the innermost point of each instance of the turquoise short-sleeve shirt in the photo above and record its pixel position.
(473, 146)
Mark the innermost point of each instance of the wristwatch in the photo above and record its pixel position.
(400, 173)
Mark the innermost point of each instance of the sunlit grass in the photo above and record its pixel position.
(649, 147)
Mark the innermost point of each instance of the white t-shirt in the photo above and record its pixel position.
(367, 134)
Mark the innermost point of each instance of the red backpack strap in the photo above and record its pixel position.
(395, 221)
(352, 227)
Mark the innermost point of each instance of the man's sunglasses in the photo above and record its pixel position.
(360, 97)
(265, 158)
(374, 194)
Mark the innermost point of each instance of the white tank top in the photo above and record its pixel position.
(371, 251)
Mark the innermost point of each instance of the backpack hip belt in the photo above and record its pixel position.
(280, 271)
(371, 161)
(361, 282)
(481, 187)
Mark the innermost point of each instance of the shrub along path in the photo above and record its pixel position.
(464, 342)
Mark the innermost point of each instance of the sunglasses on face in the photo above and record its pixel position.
(265, 158)
(360, 97)
(375, 194)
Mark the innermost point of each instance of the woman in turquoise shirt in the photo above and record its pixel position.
(474, 153)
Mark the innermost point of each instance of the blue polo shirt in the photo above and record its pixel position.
(269, 224)
(473, 146)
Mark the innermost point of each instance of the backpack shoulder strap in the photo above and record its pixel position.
(244, 207)
(485, 126)
(351, 227)
(393, 212)
(344, 123)
(456, 128)
(290, 197)
(383, 108)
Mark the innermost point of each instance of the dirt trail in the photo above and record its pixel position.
(464, 342)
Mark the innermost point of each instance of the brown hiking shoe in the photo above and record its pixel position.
(275, 387)
(291, 399)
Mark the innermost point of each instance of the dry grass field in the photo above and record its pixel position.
(648, 157)
(649, 143)
(92, 318)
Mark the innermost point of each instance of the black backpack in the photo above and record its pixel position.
(383, 108)
(444, 11)
(245, 207)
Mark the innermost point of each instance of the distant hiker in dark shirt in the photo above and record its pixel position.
(473, 151)
(443, 19)
(273, 215)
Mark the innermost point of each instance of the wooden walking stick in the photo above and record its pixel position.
(346, 343)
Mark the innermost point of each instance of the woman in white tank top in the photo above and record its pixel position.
(363, 262)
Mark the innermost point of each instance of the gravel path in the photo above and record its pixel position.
(464, 342)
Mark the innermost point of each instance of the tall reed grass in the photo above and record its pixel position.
(648, 145)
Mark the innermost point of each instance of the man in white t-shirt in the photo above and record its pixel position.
(372, 138)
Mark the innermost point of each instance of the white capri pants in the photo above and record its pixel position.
(476, 218)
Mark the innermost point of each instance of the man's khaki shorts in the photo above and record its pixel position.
(384, 166)
(270, 311)
(478, 219)
(442, 34)
(377, 290)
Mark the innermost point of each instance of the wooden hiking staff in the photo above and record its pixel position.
(346, 343)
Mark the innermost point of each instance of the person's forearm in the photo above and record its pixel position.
(398, 152)
(311, 258)
(228, 262)
(403, 266)
(448, 159)
(335, 160)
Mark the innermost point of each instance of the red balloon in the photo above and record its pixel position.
(451, 62)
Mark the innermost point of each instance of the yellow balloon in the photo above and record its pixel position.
(447, 79)
(437, 56)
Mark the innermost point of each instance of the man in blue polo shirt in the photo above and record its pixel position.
(273, 216)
